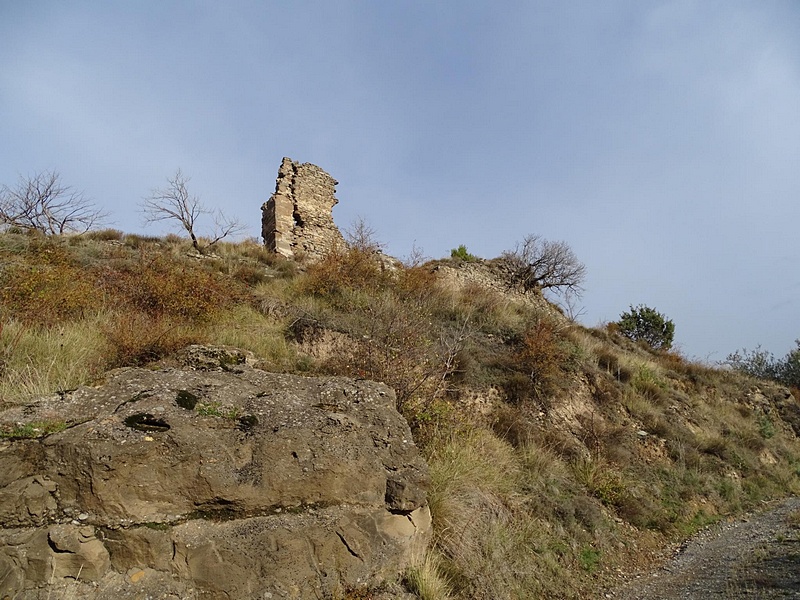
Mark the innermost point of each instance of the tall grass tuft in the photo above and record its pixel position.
(426, 580)
(245, 327)
(39, 361)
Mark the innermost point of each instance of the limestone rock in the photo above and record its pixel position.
(210, 479)
(77, 552)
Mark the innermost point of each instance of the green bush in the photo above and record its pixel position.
(461, 253)
(646, 324)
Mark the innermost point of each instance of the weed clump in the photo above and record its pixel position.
(36, 429)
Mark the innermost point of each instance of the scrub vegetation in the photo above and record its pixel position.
(763, 364)
(559, 454)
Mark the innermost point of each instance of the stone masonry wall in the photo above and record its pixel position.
(297, 220)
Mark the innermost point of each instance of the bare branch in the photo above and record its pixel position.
(570, 306)
(416, 258)
(225, 227)
(539, 264)
(175, 203)
(42, 203)
(361, 236)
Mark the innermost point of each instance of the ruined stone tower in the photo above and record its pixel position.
(297, 220)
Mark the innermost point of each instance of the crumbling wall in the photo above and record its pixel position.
(297, 220)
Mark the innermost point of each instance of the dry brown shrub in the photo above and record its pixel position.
(161, 286)
(543, 357)
(605, 390)
(134, 240)
(137, 338)
(750, 439)
(518, 387)
(415, 282)
(609, 361)
(388, 314)
(671, 360)
(650, 390)
(392, 343)
(716, 445)
(683, 450)
(481, 300)
(250, 274)
(104, 235)
(47, 287)
(562, 444)
(343, 269)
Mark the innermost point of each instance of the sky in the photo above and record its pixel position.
(659, 139)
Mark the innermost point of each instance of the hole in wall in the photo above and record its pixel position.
(146, 422)
(186, 399)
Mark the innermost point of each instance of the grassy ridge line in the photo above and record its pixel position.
(559, 454)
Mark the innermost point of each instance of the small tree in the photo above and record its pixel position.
(461, 253)
(175, 203)
(647, 324)
(42, 203)
(538, 264)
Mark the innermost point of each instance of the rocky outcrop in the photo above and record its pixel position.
(494, 275)
(210, 479)
(297, 220)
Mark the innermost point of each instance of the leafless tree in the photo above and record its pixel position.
(416, 257)
(175, 203)
(362, 236)
(538, 264)
(569, 304)
(42, 203)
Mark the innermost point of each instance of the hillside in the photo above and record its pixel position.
(561, 457)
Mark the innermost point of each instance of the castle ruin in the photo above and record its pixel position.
(297, 220)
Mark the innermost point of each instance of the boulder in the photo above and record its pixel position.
(209, 479)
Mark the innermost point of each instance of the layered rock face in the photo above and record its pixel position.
(492, 275)
(212, 479)
(297, 220)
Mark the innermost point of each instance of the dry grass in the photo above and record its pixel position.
(505, 517)
(247, 328)
(425, 578)
(592, 449)
(473, 462)
(39, 361)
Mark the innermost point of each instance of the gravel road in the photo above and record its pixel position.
(756, 557)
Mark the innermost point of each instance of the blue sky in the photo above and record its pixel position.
(660, 139)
